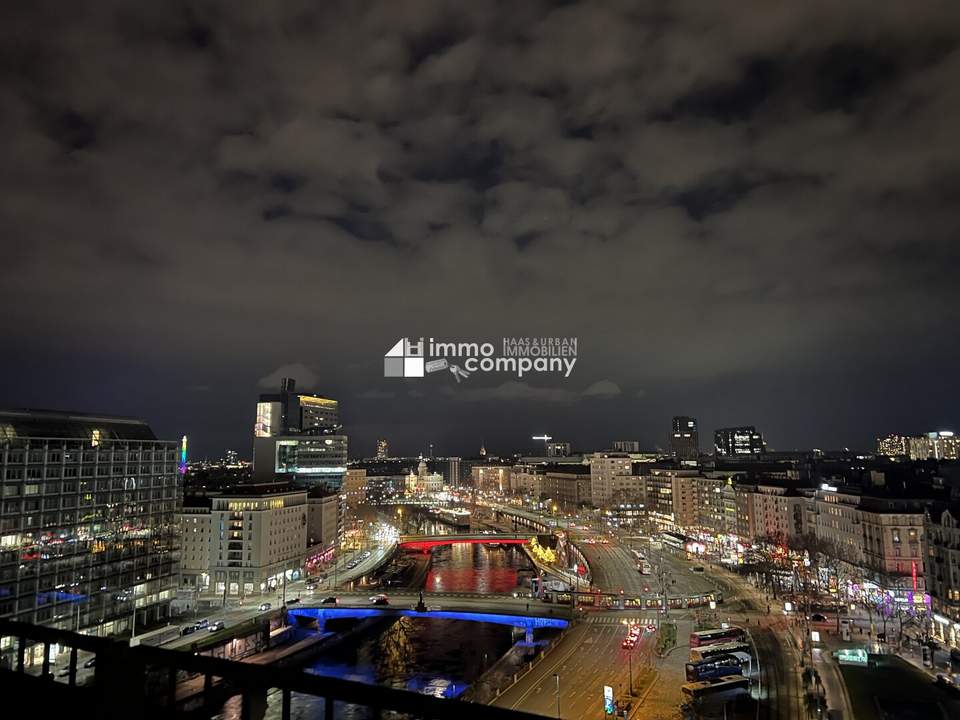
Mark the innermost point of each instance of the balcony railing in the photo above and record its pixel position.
(151, 682)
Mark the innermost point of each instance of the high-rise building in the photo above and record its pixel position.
(745, 440)
(291, 413)
(88, 521)
(230, 457)
(555, 448)
(453, 472)
(383, 451)
(297, 437)
(626, 446)
(685, 438)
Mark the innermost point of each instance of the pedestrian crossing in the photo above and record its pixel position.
(621, 620)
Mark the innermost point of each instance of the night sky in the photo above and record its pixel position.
(747, 212)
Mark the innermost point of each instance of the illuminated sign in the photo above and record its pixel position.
(183, 455)
(608, 707)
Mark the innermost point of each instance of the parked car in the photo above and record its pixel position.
(200, 624)
(697, 568)
(214, 626)
(263, 607)
(188, 630)
(947, 682)
(331, 600)
(379, 600)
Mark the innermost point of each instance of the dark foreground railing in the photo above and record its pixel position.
(133, 682)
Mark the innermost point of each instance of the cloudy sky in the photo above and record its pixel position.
(746, 212)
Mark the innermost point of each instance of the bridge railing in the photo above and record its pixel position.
(145, 682)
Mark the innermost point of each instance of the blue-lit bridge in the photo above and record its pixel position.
(528, 623)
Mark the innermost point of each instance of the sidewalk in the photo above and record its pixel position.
(835, 690)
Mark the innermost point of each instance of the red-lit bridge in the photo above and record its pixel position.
(425, 542)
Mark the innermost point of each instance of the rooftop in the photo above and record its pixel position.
(29, 423)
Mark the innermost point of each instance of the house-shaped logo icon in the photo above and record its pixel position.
(405, 359)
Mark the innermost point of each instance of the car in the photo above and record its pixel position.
(628, 643)
(293, 601)
(91, 662)
(331, 600)
(214, 626)
(310, 587)
(947, 682)
(819, 618)
(264, 606)
(379, 600)
(697, 568)
(188, 630)
(200, 624)
(651, 628)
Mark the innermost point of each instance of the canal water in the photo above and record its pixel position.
(434, 656)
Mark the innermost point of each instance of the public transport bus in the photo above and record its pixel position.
(674, 540)
(716, 635)
(733, 684)
(709, 651)
(719, 665)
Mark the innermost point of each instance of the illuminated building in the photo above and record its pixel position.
(325, 520)
(290, 413)
(453, 472)
(685, 438)
(734, 441)
(603, 468)
(423, 481)
(893, 446)
(626, 446)
(883, 536)
(296, 437)
(354, 487)
(568, 485)
(555, 448)
(942, 445)
(491, 478)
(88, 525)
(943, 574)
(230, 457)
(246, 541)
(383, 451)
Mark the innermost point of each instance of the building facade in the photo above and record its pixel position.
(603, 468)
(685, 438)
(734, 441)
(88, 521)
(943, 573)
(256, 540)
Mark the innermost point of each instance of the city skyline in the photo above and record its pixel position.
(749, 222)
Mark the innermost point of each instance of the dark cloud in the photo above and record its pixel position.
(761, 197)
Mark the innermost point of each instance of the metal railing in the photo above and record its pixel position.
(156, 682)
